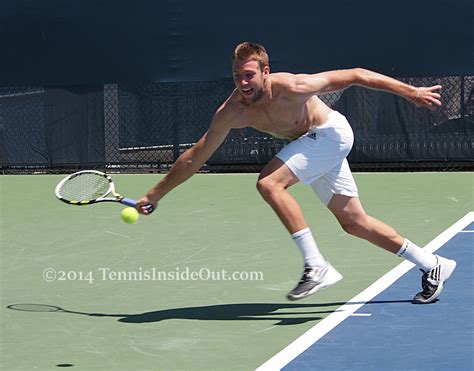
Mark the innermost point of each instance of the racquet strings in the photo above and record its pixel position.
(85, 187)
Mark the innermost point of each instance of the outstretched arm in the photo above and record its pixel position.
(189, 162)
(331, 81)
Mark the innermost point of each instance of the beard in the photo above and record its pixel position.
(258, 95)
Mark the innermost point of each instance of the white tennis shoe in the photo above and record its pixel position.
(433, 281)
(313, 280)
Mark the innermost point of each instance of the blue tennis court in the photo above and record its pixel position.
(389, 333)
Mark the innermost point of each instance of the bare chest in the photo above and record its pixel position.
(281, 118)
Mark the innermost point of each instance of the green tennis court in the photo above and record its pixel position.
(154, 295)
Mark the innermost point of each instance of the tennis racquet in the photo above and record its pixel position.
(88, 187)
(43, 308)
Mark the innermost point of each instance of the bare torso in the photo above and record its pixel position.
(282, 113)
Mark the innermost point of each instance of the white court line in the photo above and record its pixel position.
(298, 346)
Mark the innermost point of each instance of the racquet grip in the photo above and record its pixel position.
(129, 202)
(133, 203)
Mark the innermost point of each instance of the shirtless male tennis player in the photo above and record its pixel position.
(287, 106)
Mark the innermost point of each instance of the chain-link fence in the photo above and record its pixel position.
(145, 126)
(392, 133)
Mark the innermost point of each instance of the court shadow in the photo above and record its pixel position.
(235, 312)
(282, 313)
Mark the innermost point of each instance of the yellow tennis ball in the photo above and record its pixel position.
(130, 215)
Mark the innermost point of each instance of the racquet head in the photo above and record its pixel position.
(34, 308)
(85, 187)
(91, 186)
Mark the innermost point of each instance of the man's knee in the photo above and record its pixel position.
(356, 225)
(268, 187)
(265, 187)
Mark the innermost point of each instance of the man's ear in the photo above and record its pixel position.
(266, 71)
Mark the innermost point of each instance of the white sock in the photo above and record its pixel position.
(307, 245)
(417, 255)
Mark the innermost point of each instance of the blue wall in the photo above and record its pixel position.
(83, 41)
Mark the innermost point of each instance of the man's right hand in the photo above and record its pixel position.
(142, 205)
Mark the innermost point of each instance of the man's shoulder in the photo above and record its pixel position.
(231, 112)
(232, 105)
(283, 79)
(283, 83)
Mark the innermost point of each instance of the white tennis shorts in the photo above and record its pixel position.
(318, 158)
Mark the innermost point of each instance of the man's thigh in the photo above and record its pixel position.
(337, 181)
(278, 172)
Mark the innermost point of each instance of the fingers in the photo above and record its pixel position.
(145, 206)
(434, 100)
(429, 97)
(431, 104)
(146, 209)
(437, 101)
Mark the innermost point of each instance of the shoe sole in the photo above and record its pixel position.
(335, 279)
(439, 289)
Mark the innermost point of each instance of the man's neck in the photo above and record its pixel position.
(266, 96)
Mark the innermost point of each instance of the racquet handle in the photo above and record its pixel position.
(133, 203)
(129, 202)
